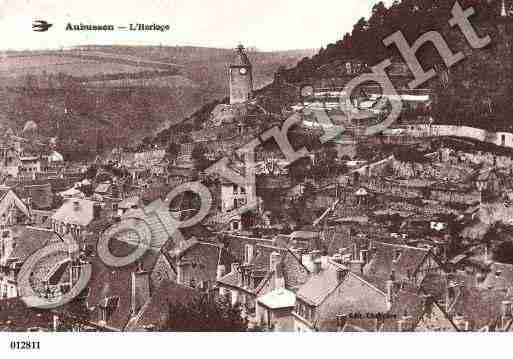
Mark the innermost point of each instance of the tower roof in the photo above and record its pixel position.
(241, 59)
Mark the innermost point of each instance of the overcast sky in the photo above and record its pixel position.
(265, 24)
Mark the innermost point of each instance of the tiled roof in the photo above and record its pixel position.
(110, 282)
(129, 202)
(81, 215)
(155, 311)
(384, 260)
(29, 240)
(278, 298)
(7, 198)
(102, 188)
(480, 307)
(294, 272)
(322, 284)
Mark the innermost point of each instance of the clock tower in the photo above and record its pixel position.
(241, 77)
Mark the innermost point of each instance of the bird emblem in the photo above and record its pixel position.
(40, 25)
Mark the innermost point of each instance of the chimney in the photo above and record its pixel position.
(55, 323)
(239, 272)
(221, 271)
(76, 205)
(364, 256)
(307, 261)
(97, 210)
(274, 261)
(275, 267)
(316, 254)
(140, 290)
(341, 274)
(452, 295)
(317, 266)
(235, 267)
(390, 292)
(341, 322)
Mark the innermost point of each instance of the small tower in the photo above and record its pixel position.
(241, 78)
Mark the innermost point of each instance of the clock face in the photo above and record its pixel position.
(243, 71)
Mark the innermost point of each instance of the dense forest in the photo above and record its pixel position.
(412, 17)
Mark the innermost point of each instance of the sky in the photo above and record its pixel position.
(265, 24)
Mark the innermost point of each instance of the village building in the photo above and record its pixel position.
(260, 272)
(334, 290)
(16, 245)
(12, 209)
(74, 216)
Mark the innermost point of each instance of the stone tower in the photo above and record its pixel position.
(241, 77)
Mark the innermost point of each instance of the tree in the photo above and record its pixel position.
(57, 201)
(504, 253)
(205, 314)
(91, 172)
(199, 157)
(172, 151)
(300, 169)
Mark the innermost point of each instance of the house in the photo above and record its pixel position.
(469, 307)
(135, 297)
(199, 264)
(260, 269)
(12, 209)
(334, 290)
(38, 195)
(9, 160)
(16, 245)
(29, 166)
(74, 216)
(232, 196)
(155, 312)
(108, 189)
(404, 263)
(127, 204)
(116, 295)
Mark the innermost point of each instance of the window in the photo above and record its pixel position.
(103, 314)
(248, 253)
(397, 254)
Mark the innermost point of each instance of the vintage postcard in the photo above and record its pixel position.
(242, 166)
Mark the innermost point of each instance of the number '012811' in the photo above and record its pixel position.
(25, 345)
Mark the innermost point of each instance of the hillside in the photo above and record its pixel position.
(101, 95)
(477, 92)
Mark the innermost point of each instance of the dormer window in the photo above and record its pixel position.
(397, 255)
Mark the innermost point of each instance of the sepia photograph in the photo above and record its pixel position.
(342, 167)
